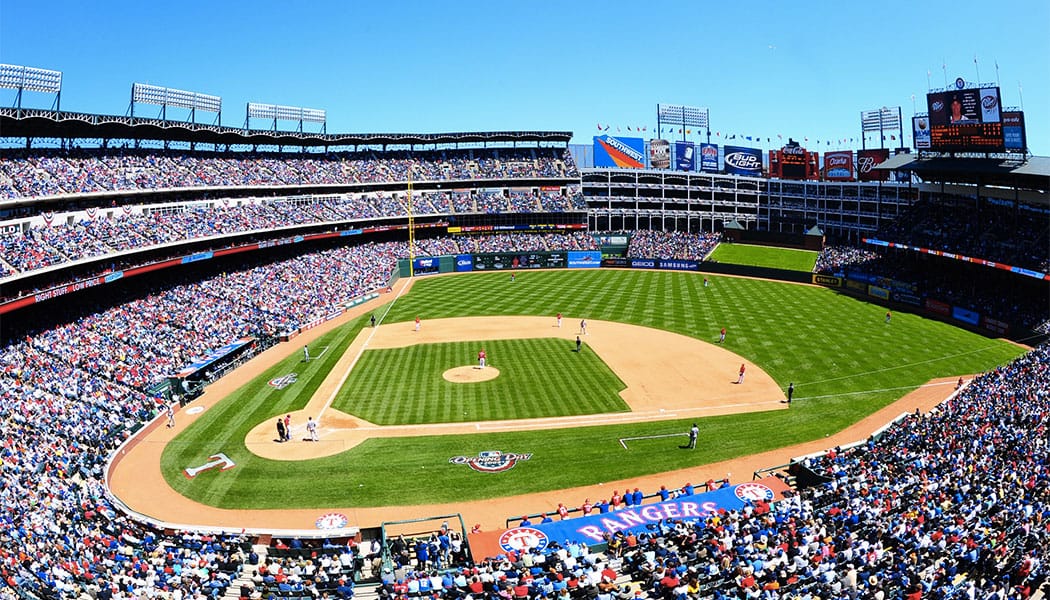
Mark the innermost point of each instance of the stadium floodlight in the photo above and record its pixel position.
(277, 112)
(881, 118)
(143, 93)
(677, 114)
(31, 79)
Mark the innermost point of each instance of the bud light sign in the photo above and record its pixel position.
(709, 158)
(743, 161)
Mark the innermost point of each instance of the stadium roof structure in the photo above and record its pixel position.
(1031, 173)
(31, 123)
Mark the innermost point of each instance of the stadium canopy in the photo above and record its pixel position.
(23, 123)
(1031, 173)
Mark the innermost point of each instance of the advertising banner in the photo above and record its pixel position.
(938, 307)
(677, 265)
(920, 131)
(878, 292)
(615, 262)
(827, 280)
(659, 154)
(838, 166)
(589, 259)
(685, 156)
(1013, 130)
(867, 160)
(624, 153)
(642, 263)
(743, 161)
(965, 315)
(464, 262)
(512, 260)
(426, 266)
(593, 529)
(709, 158)
(995, 325)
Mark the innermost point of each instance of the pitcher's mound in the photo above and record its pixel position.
(470, 374)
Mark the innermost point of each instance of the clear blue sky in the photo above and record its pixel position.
(763, 68)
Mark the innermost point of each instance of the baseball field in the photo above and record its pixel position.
(393, 417)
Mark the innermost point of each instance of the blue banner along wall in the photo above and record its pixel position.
(589, 259)
(709, 158)
(594, 528)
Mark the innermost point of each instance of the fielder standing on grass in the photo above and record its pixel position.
(694, 433)
(306, 353)
(578, 343)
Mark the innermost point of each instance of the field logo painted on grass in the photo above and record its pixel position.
(218, 460)
(523, 538)
(753, 492)
(490, 461)
(284, 381)
(331, 521)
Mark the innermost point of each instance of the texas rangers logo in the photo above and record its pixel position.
(490, 461)
(523, 538)
(753, 492)
(331, 521)
(284, 381)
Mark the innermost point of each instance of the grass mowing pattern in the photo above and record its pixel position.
(765, 256)
(845, 362)
(538, 378)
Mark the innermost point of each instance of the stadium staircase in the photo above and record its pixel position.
(233, 592)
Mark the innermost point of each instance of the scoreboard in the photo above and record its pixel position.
(965, 120)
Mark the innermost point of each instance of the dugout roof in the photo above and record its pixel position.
(25, 123)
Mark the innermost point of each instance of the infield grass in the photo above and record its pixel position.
(538, 378)
(844, 360)
(765, 256)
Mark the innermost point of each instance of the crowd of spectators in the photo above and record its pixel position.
(43, 246)
(995, 231)
(839, 258)
(37, 173)
(646, 243)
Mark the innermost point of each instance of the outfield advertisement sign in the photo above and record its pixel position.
(709, 158)
(828, 280)
(589, 259)
(965, 315)
(464, 262)
(743, 161)
(593, 529)
(677, 265)
(426, 266)
(653, 263)
(623, 153)
(507, 260)
(685, 156)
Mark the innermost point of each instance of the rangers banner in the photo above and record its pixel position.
(743, 161)
(867, 160)
(709, 158)
(595, 528)
(625, 153)
(838, 166)
(685, 157)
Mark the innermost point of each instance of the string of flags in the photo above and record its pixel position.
(749, 138)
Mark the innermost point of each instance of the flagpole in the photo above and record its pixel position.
(1020, 94)
(997, 73)
(944, 69)
(978, 69)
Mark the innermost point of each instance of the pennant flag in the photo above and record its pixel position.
(607, 128)
(748, 138)
(599, 126)
(805, 139)
(893, 136)
(780, 137)
(645, 129)
(628, 128)
(687, 131)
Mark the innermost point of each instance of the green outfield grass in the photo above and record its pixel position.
(765, 256)
(537, 378)
(844, 360)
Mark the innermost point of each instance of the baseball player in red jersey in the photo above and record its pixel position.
(559, 319)
(418, 322)
(743, 368)
(722, 336)
(587, 507)
(481, 358)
